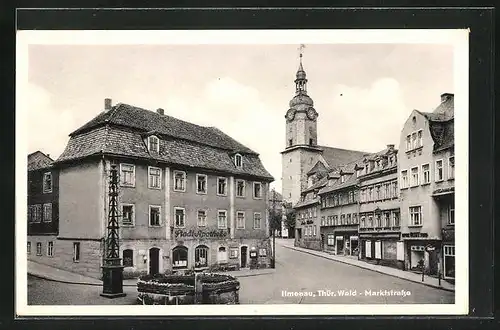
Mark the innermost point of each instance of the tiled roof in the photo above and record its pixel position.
(443, 134)
(38, 160)
(349, 182)
(150, 121)
(306, 203)
(320, 183)
(336, 157)
(117, 139)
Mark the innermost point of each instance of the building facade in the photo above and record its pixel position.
(43, 208)
(426, 187)
(339, 212)
(307, 223)
(190, 197)
(379, 213)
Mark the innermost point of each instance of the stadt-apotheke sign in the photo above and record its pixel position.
(180, 233)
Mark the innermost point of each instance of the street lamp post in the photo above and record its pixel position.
(112, 270)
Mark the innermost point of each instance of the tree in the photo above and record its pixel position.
(275, 218)
(290, 218)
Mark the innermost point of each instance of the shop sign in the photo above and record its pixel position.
(201, 233)
(414, 235)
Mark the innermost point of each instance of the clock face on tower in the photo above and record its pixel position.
(290, 114)
(311, 113)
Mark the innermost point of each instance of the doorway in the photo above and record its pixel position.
(154, 261)
(243, 253)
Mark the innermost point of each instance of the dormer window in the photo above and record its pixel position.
(238, 160)
(153, 143)
(342, 178)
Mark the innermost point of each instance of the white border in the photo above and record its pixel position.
(457, 38)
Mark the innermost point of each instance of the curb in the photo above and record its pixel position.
(373, 270)
(125, 284)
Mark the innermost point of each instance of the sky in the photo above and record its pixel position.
(362, 92)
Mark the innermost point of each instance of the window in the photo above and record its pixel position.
(28, 248)
(355, 219)
(76, 251)
(179, 181)
(201, 183)
(179, 257)
(426, 173)
(222, 255)
(414, 177)
(240, 220)
(370, 221)
(38, 249)
(408, 142)
(36, 213)
(395, 189)
(414, 140)
(202, 218)
(201, 256)
(238, 160)
(451, 167)
(128, 214)
(342, 219)
(416, 215)
(404, 179)
(378, 221)
(330, 239)
(377, 192)
(180, 217)
(128, 258)
(240, 188)
(439, 170)
(233, 253)
(154, 215)
(349, 219)
(47, 182)
(154, 177)
(395, 219)
(290, 142)
(47, 212)
(256, 220)
(222, 186)
(257, 190)
(153, 143)
(50, 249)
(387, 190)
(222, 219)
(127, 175)
(451, 213)
(362, 222)
(387, 219)
(420, 141)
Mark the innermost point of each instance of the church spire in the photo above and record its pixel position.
(301, 81)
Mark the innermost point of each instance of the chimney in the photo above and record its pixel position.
(390, 146)
(446, 97)
(160, 111)
(107, 104)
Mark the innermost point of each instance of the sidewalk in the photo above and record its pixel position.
(409, 276)
(63, 276)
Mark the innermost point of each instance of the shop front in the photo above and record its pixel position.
(345, 242)
(382, 248)
(448, 254)
(422, 253)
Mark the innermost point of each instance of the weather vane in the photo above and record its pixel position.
(301, 49)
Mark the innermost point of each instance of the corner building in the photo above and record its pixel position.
(190, 197)
(426, 177)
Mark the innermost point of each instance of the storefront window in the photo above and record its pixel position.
(179, 257)
(449, 260)
(201, 256)
(128, 258)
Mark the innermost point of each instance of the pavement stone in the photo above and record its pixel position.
(59, 275)
(410, 276)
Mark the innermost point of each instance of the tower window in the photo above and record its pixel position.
(290, 142)
(310, 142)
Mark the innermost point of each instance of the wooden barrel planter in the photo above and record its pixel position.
(202, 288)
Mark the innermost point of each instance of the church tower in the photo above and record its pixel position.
(302, 150)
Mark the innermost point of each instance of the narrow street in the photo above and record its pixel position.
(299, 278)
